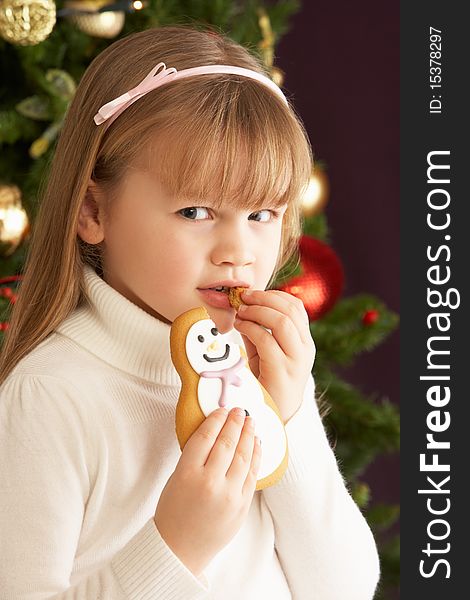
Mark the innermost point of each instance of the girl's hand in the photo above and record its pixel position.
(205, 501)
(283, 360)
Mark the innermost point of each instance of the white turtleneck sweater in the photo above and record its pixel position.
(87, 443)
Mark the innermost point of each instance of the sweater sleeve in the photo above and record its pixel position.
(323, 542)
(46, 463)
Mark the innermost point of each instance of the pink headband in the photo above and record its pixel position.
(113, 109)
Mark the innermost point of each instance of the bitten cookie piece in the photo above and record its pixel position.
(234, 297)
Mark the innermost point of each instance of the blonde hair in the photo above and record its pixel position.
(196, 131)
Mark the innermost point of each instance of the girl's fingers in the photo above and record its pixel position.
(250, 348)
(198, 447)
(264, 341)
(221, 454)
(285, 303)
(252, 476)
(294, 301)
(283, 328)
(241, 461)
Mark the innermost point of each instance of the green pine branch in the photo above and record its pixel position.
(341, 333)
(360, 427)
(317, 227)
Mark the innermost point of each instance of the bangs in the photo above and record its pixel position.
(233, 148)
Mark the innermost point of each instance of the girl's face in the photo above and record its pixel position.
(161, 254)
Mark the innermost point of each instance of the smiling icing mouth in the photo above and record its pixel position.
(217, 358)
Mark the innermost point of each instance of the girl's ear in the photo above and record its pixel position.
(91, 217)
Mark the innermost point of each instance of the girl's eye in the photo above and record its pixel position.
(270, 215)
(194, 213)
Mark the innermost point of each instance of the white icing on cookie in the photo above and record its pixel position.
(204, 340)
(226, 381)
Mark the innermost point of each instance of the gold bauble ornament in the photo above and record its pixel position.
(277, 75)
(102, 25)
(26, 22)
(316, 194)
(14, 224)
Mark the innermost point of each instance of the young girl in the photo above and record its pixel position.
(168, 180)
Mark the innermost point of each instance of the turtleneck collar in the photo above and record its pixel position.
(122, 334)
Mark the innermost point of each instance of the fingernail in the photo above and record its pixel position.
(246, 293)
(242, 308)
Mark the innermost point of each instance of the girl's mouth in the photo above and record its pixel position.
(216, 297)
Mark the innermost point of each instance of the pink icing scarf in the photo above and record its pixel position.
(228, 377)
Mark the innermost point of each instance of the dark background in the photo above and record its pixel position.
(341, 64)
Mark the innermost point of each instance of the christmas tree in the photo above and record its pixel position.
(44, 51)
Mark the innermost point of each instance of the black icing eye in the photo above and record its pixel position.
(214, 331)
(200, 338)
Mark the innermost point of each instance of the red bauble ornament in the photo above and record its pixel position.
(370, 317)
(322, 278)
(8, 289)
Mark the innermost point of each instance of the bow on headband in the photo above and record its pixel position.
(156, 78)
(118, 105)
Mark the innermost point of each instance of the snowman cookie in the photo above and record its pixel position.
(214, 372)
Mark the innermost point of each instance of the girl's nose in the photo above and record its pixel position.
(233, 248)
